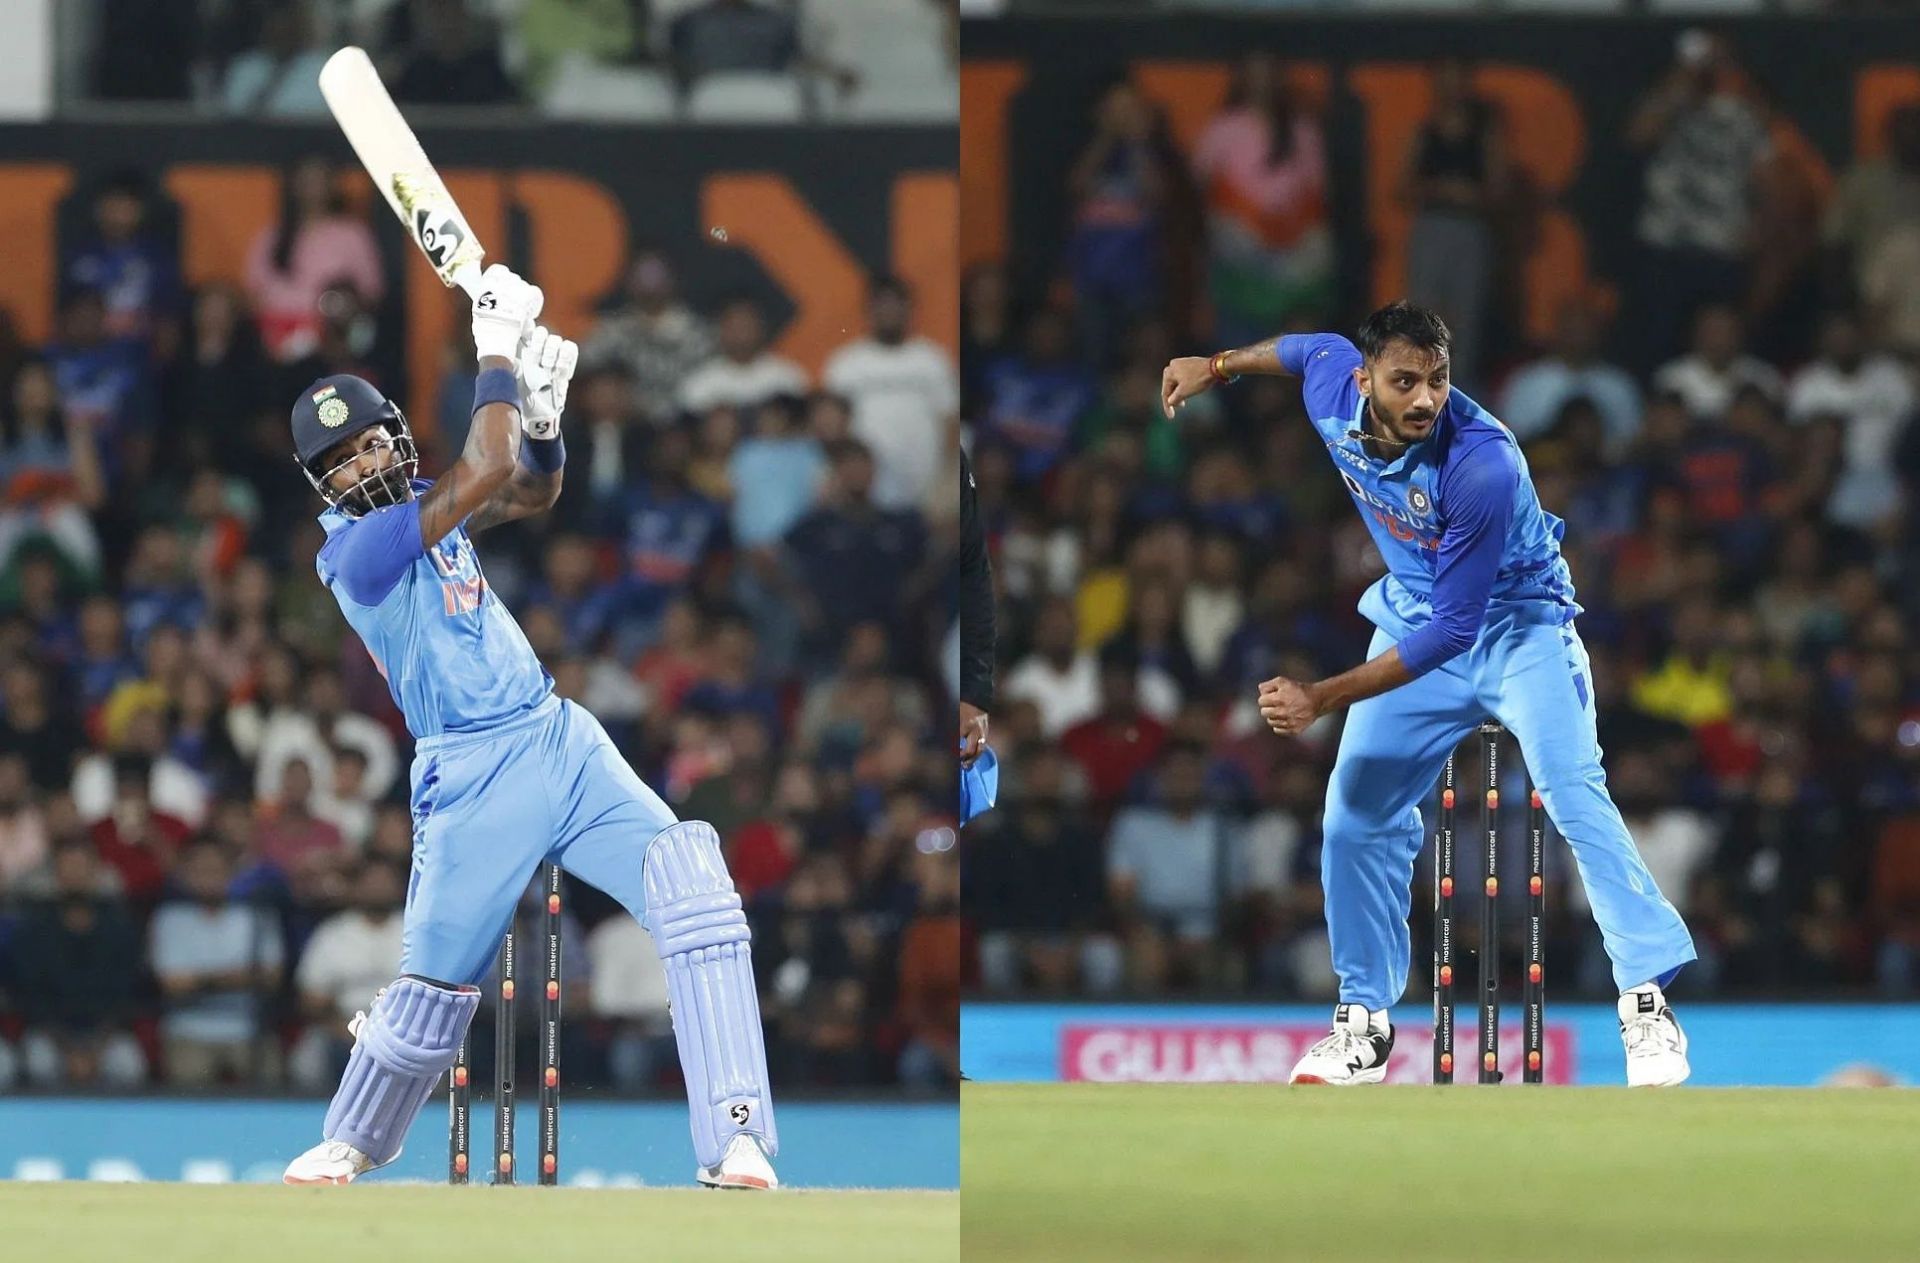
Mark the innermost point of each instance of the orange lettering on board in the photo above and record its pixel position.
(987, 89)
(764, 215)
(29, 194)
(926, 230)
(223, 209)
(1877, 92)
(578, 236)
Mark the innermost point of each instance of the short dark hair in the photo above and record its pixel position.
(1417, 326)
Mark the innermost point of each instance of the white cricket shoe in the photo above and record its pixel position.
(743, 1165)
(1656, 1046)
(329, 1162)
(1354, 1052)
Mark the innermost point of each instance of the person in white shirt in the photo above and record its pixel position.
(1873, 397)
(1059, 678)
(629, 988)
(904, 393)
(1707, 378)
(745, 373)
(352, 954)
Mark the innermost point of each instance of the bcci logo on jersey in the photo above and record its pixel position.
(1403, 522)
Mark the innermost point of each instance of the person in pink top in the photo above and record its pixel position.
(316, 246)
(1262, 170)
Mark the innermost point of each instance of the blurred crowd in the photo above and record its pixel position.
(1731, 445)
(204, 831)
(770, 60)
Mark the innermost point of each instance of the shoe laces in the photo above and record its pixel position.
(1647, 1035)
(1338, 1043)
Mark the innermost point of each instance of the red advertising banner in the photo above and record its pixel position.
(1219, 1053)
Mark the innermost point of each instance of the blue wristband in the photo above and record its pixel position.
(544, 456)
(495, 385)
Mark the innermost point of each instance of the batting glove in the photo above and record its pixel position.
(546, 369)
(504, 311)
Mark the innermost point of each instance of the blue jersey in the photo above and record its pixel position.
(452, 656)
(1454, 515)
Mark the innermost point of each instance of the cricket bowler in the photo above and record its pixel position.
(1474, 618)
(505, 774)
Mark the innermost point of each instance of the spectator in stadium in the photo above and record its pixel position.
(450, 61)
(1536, 395)
(1261, 169)
(51, 478)
(1058, 676)
(1122, 741)
(214, 387)
(326, 722)
(1707, 156)
(1121, 185)
(216, 960)
(668, 533)
(655, 334)
(1872, 396)
(1287, 934)
(904, 395)
(316, 246)
(1455, 178)
(553, 33)
(135, 840)
(49, 740)
(308, 851)
(628, 990)
(744, 37)
(1717, 367)
(986, 329)
(929, 1000)
(785, 468)
(77, 988)
(745, 373)
(1036, 887)
(350, 956)
(1872, 229)
(281, 77)
(1169, 866)
(105, 385)
(25, 839)
(130, 266)
(1034, 401)
(855, 561)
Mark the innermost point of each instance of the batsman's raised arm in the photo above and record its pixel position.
(547, 361)
(503, 313)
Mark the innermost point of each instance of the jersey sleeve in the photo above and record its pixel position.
(1324, 363)
(1476, 494)
(370, 555)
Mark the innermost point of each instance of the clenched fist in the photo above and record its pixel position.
(1184, 378)
(504, 312)
(546, 368)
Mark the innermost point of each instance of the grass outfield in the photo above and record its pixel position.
(1126, 1172)
(424, 1223)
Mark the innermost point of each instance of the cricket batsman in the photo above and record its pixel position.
(1474, 618)
(505, 774)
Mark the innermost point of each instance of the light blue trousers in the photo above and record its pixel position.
(1533, 677)
(489, 808)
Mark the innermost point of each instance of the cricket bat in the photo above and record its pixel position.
(399, 167)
